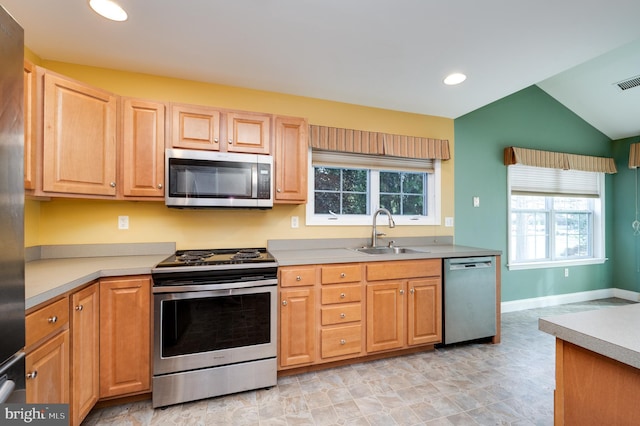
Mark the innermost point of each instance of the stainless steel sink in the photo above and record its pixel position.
(385, 250)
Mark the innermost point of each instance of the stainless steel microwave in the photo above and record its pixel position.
(201, 179)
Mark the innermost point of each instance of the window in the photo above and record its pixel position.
(348, 188)
(556, 217)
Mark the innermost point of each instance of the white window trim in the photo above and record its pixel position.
(598, 235)
(434, 190)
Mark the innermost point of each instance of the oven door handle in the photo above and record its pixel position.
(181, 288)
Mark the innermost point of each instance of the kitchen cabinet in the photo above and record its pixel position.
(141, 153)
(404, 300)
(30, 128)
(195, 127)
(79, 138)
(85, 351)
(125, 335)
(297, 336)
(291, 158)
(341, 311)
(47, 354)
(248, 132)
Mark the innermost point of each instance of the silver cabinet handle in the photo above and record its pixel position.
(342, 295)
(342, 275)
(401, 291)
(32, 375)
(412, 291)
(343, 342)
(278, 190)
(112, 184)
(215, 140)
(343, 315)
(230, 141)
(284, 303)
(52, 320)
(79, 308)
(160, 186)
(298, 278)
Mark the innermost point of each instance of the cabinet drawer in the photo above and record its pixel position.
(341, 314)
(347, 273)
(298, 276)
(399, 269)
(46, 320)
(341, 294)
(341, 341)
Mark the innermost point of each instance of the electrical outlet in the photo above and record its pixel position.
(566, 272)
(476, 201)
(448, 221)
(123, 222)
(294, 221)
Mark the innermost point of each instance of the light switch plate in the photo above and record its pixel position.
(123, 222)
(476, 201)
(294, 221)
(448, 221)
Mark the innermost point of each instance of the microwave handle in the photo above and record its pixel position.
(254, 180)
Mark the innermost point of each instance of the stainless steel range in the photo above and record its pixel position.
(214, 324)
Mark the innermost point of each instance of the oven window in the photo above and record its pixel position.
(214, 323)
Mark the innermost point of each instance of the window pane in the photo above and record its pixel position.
(354, 204)
(394, 190)
(391, 203)
(529, 236)
(528, 202)
(327, 179)
(389, 182)
(326, 202)
(412, 204)
(354, 180)
(413, 183)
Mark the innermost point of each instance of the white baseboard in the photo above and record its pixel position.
(560, 299)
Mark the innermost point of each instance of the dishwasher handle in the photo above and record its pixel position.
(463, 263)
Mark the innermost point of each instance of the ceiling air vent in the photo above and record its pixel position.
(629, 83)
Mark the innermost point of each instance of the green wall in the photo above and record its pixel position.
(625, 258)
(529, 119)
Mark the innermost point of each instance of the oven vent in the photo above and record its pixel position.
(629, 83)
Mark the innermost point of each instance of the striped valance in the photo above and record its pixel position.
(558, 160)
(376, 143)
(634, 156)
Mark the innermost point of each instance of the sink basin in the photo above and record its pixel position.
(385, 250)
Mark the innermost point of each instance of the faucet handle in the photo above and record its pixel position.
(391, 242)
(380, 234)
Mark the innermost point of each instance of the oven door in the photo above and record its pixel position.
(200, 329)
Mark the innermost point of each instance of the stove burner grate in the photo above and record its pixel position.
(246, 254)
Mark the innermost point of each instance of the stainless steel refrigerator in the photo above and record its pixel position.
(12, 338)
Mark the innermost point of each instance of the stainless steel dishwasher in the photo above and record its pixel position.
(469, 298)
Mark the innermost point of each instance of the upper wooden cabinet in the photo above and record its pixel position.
(195, 127)
(142, 148)
(79, 147)
(291, 135)
(248, 132)
(30, 129)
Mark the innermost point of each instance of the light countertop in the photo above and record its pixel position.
(612, 332)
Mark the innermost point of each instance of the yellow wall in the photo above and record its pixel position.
(64, 221)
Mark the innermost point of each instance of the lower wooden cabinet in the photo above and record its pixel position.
(85, 351)
(385, 316)
(47, 369)
(424, 311)
(125, 336)
(297, 327)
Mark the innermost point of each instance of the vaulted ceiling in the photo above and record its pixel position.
(380, 53)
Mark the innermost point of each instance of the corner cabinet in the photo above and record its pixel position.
(142, 148)
(85, 351)
(79, 148)
(125, 336)
(291, 152)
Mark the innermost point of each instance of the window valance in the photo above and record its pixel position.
(634, 155)
(376, 143)
(558, 160)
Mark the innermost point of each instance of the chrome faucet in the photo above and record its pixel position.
(374, 231)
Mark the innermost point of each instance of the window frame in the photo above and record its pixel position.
(598, 229)
(374, 164)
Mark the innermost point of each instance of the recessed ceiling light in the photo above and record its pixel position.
(108, 9)
(455, 78)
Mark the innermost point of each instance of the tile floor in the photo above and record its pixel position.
(469, 384)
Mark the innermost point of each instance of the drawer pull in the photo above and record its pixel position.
(284, 303)
(342, 295)
(79, 308)
(401, 291)
(343, 342)
(298, 278)
(32, 375)
(412, 291)
(342, 275)
(343, 315)
(52, 320)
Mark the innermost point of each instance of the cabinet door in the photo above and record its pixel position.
(85, 351)
(291, 158)
(125, 336)
(47, 370)
(142, 154)
(247, 132)
(79, 154)
(195, 127)
(385, 316)
(424, 315)
(30, 131)
(297, 327)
